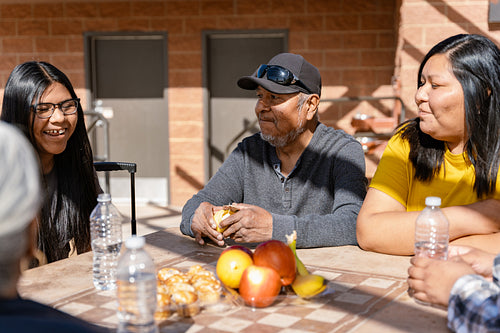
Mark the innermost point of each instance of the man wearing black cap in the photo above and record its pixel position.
(296, 174)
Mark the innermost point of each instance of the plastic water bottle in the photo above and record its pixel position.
(136, 289)
(431, 231)
(106, 235)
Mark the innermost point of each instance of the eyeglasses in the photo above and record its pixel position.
(46, 110)
(280, 75)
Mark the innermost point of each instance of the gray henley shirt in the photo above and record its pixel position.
(320, 198)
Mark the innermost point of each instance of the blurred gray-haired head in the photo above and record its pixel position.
(19, 181)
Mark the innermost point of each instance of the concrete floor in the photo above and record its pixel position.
(149, 217)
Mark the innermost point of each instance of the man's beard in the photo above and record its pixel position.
(282, 141)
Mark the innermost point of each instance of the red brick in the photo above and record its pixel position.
(235, 22)
(7, 63)
(217, 7)
(7, 28)
(277, 22)
(325, 41)
(184, 78)
(306, 23)
(424, 12)
(377, 22)
(148, 8)
(51, 44)
(184, 8)
(341, 59)
(342, 22)
(178, 43)
(360, 41)
(287, 7)
(134, 24)
(100, 24)
(185, 98)
(195, 25)
(33, 28)
(331, 77)
(80, 9)
(298, 40)
(185, 130)
(323, 6)
(185, 61)
(75, 44)
(472, 13)
(375, 58)
(359, 6)
(77, 78)
(17, 45)
(115, 9)
(186, 113)
(15, 11)
(48, 10)
(383, 77)
(69, 61)
(357, 76)
(172, 25)
(434, 36)
(254, 7)
(186, 147)
(72, 26)
(387, 40)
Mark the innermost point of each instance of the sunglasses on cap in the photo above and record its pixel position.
(279, 75)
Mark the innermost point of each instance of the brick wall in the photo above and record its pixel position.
(352, 42)
(358, 45)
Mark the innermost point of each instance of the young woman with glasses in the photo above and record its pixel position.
(40, 100)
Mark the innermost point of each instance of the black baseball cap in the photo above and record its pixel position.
(307, 77)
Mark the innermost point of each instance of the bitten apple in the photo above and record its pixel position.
(278, 256)
(259, 286)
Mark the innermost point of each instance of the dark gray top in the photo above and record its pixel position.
(320, 198)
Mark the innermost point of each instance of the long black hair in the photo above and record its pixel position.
(475, 62)
(64, 215)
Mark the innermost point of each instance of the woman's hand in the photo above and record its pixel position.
(480, 261)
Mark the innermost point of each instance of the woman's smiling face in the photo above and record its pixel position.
(52, 134)
(440, 101)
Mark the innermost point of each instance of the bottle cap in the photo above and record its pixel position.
(135, 242)
(103, 197)
(433, 201)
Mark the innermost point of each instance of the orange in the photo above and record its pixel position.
(231, 265)
(219, 216)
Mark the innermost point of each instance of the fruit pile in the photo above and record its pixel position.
(260, 275)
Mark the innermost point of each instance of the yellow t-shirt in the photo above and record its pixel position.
(453, 184)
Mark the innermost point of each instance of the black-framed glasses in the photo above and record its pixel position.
(46, 110)
(280, 75)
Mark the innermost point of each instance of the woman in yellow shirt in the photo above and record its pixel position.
(450, 150)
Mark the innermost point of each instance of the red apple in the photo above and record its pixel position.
(278, 256)
(259, 286)
(239, 247)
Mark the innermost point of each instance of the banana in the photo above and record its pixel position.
(292, 243)
(305, 285)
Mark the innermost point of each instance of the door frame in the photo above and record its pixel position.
(206, 36)
(90, 84)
